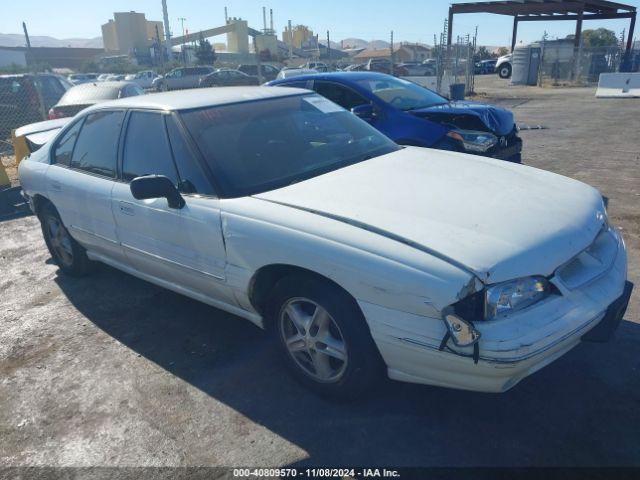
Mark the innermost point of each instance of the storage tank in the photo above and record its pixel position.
(525, 63)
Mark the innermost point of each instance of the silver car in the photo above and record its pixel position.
(179, 78)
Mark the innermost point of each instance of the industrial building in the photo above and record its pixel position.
(297, 36)
(130, 33)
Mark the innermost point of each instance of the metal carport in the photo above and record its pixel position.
(548, 10)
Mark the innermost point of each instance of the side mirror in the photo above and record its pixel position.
(156, 186)
(365, 112)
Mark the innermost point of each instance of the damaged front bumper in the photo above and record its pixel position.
(510, 348)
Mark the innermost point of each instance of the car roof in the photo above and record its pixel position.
(199, 97)
(92, 92)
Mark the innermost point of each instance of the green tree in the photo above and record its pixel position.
(502, 51)
(483, 53)
(600, 37)
(205, 52)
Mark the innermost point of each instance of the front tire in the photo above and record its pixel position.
(68, 254)
(323, 337)
(505, 70)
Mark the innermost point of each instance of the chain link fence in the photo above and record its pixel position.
(26, 98)
(455, 65)
(580, 66)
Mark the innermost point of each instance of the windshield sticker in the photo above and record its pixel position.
(322, 104)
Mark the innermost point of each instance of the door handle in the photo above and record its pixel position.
(127, 208)
(57, 186)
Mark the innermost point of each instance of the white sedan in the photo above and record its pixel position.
(360, 256)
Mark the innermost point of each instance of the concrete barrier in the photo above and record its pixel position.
(618, 85)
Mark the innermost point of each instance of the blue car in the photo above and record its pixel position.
(411, 114)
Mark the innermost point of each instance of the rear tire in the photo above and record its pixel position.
(323, 337)
(505, 70)
(68, 254)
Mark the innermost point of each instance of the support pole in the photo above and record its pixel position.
(450, 27)
(576, 40)
(632, 27)
(514, 35)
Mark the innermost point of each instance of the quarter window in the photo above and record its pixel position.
(146, 148)
(64, 148)
(97, 144)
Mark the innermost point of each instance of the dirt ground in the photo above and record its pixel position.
(113, 371)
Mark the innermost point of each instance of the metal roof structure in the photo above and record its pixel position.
(549, 10)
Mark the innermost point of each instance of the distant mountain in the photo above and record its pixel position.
(17, 40)
(360, 43)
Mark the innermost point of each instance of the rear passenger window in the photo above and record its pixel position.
(64, 148)
(97, 144)
(146, 148)
(192, 178)
(343, 96)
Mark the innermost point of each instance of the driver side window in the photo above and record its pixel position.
(343, 96)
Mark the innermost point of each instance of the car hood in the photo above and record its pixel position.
(497, 120)
(496, 220)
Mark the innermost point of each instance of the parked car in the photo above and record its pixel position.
(29, 138)
(82, 96)
(79, 78)
(485, 67)
(269, 72)
(410, 114)
(417, 68)
(103, 77)
(295, 72)
(383, 65)
(358, 255)
(318, 66)
(503, 66)
(26, 98)
(226, 77)
(115, 77)
(355, 67)
(143, 79)
(179, 78)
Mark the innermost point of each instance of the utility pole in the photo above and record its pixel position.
(167, 31)
(258, 60)
(184, 57)
(27, 40)
(159, 50)
(290, 41)
(328, 48)
(391, 51)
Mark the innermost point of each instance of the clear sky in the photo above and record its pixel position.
(411, 20)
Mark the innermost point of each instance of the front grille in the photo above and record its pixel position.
(591, 263)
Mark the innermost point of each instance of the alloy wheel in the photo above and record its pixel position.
(60, 241)
(313, 340)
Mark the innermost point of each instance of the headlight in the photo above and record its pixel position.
(514, 295)
(474, 141)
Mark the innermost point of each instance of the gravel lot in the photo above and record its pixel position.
(111, 370)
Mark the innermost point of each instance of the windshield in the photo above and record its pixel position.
(402, 94)
(254, 147)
